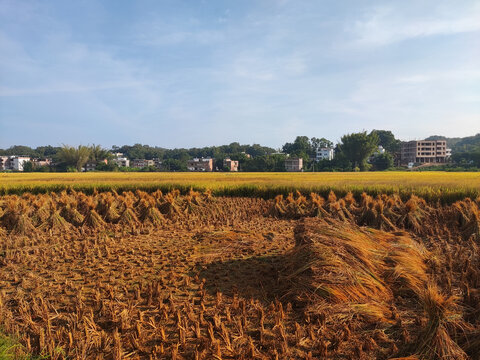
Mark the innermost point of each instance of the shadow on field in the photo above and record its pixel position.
(255, 277)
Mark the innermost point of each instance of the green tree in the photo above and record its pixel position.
(74, 157)
(317, 143)
(387, 140)
(27, 166)
(382, 161)
(97, 153)
(299, 147)
(358, 147)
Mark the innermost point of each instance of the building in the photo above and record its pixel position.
(3, 163)
(231, 165)
(14, 162)
(17, 162)
(380, 150)
(157, 163)
(142, 163)
(121, 161)
(325, 154)
(40, 162)
(203, 164)
(294, 164)
(92, 165)
(423, 152)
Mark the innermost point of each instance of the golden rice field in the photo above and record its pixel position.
(444, 186)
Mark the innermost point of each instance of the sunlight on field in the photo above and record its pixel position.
(432, 185)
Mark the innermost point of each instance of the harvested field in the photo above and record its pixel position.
(157, 275)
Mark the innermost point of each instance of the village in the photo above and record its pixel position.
(416, 152)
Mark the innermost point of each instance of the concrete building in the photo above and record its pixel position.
(157, 163)
(380, 150)
(3, 163)
(121, 161)
(14, 162)
(423, 152)
(232, 165)
(92, 165)
(325, 154)
(294, 164)
(203, 164)
(39, 162)
(141, 163)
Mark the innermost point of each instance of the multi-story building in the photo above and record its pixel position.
(121, 161)
(39, 162)
(231, 165)
(294, 164)
(157, 163)
(3, 162)
(203, 164)
(141, 163)
(424, 151)
(90, 166)
(14, 162)
(325, 154)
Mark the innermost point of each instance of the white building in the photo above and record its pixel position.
(18, 161)
(121, 161)
(13, 162)
(325, 154)
(448, 152)
(380, 150)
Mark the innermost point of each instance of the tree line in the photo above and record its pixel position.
(354, 152)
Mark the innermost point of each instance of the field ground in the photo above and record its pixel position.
(169, 276)
(444, 186)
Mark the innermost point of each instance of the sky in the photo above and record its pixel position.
(200, 73)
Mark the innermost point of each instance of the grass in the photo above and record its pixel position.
(432, 186)
(8, 348)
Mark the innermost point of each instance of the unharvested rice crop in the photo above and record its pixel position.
(432, 186)
(185, 274)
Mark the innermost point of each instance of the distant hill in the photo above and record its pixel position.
(468, 143)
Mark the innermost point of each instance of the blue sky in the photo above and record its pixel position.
(197, 73)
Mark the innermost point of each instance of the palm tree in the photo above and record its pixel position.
(74, 156)
(98, 153)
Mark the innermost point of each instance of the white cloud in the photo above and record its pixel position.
(385, 25)
(159, 32)
(447, 75)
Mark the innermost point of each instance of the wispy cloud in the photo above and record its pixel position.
(387, 24)
(447, 75)
(68, 88)
(158, 37)
(160, 31)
